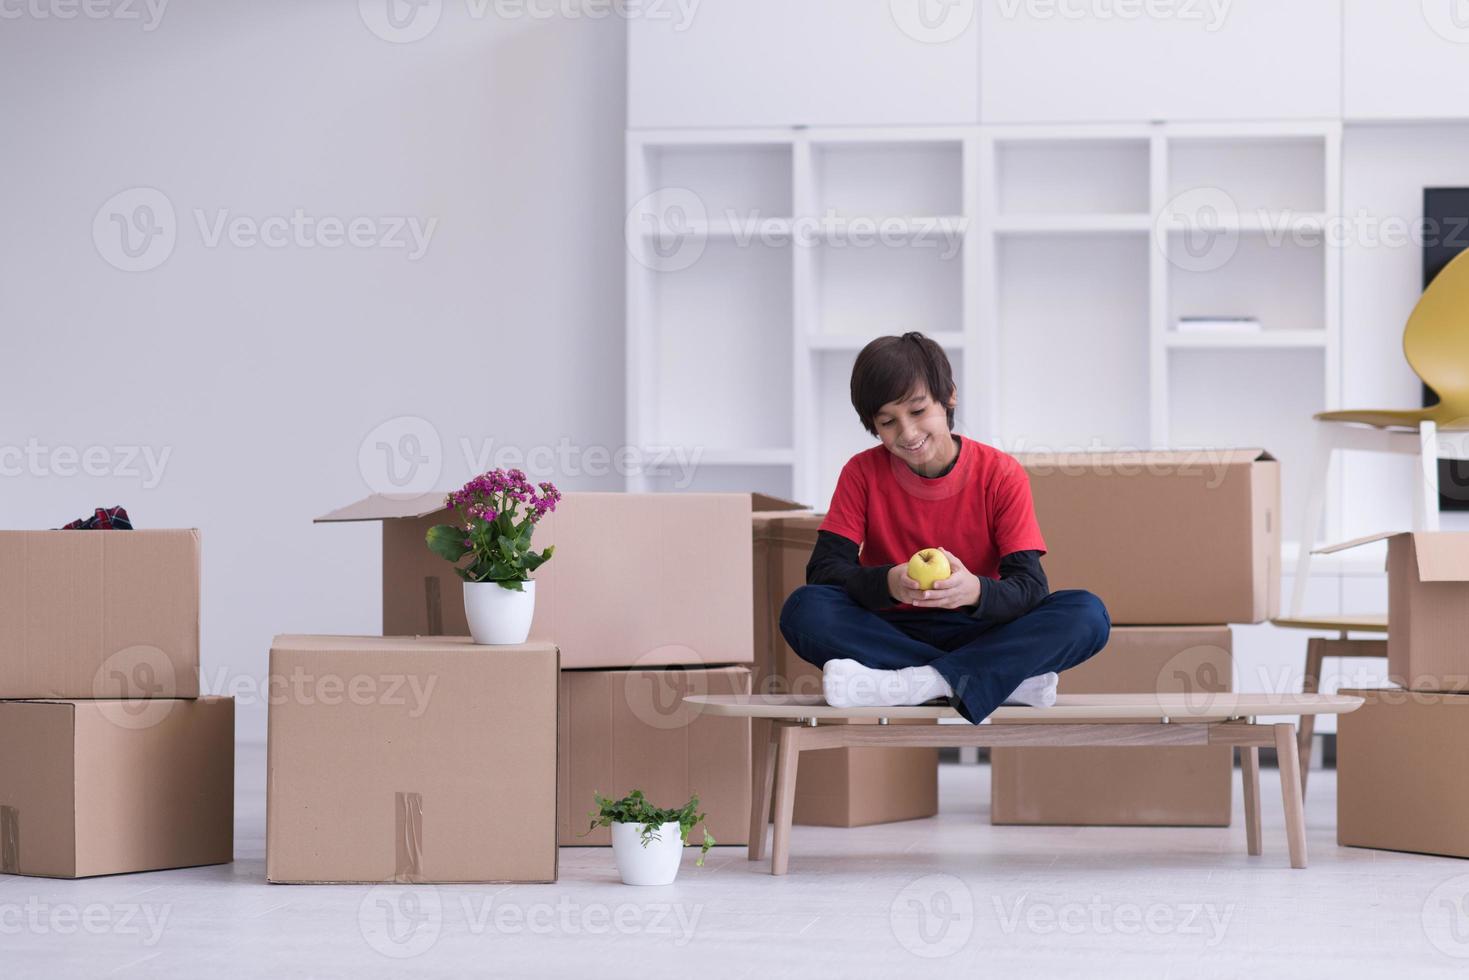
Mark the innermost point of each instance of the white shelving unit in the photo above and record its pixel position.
(1146, 224)
(810, 243)
(1051, 262)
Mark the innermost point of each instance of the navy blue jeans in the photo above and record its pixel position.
(983, 663)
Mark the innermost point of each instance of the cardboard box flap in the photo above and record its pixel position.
(1353, 543)
(1443, 556)
(386, 507)
(1147, 457)
(763, 501)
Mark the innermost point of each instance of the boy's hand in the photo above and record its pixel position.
(903, 587)
(961, 588)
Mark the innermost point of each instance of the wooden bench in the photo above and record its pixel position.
(787, 725)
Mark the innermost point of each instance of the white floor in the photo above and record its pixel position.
(947, 895)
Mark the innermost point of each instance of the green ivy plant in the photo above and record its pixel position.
(635, 808)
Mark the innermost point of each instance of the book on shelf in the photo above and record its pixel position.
(1218, 324)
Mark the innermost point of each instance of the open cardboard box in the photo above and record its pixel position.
(1163, 537)
(631, 583)
(1428, 607)
(99, 614)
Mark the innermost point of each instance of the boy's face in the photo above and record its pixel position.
(915, 428)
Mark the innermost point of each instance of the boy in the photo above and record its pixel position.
(974, 637)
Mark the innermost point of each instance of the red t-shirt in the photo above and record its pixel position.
(980, 510)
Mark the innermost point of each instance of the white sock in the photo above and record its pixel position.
(1038, 692)
(848, 684)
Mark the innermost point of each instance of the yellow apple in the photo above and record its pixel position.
(927, 567)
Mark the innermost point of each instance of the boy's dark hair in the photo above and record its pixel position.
(890, 368)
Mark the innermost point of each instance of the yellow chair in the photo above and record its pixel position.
(1436, 345)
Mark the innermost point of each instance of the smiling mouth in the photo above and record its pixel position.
(914, 449)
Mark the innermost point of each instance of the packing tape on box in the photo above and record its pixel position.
(408, 822)
(9, 840)
(434, 606)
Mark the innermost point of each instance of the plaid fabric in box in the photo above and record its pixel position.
(102, 519)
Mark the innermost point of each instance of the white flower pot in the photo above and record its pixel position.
(656, 864)
(499, 615)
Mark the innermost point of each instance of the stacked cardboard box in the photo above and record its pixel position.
(647, 599)
(419, 759)
(1398, 788)
(1177, 544)
(110, 761)
(849, 787)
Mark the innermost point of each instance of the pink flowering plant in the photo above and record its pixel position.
(497, 512)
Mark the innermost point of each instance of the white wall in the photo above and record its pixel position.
(259, 370)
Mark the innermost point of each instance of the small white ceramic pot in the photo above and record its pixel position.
(498, 615)
(655, 864)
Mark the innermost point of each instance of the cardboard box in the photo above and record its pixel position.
(1163, 786)
(108, 787)
(99, 614)
(593, 598)
(623, 730)
(1427, 606)
(411, 759)
(856, 787)
(848, 787)
(1163, 537)
(1399, 776)
(781, 543)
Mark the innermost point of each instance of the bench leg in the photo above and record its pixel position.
(1310, 684)
(787, 752)
(1249, 767)
(762, 745)
(1290, 789)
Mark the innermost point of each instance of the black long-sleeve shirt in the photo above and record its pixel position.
(1019, 589)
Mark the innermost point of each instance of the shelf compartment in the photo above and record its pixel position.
(881, 289)
(722, 333)
(906, 178)
(733, 182)
(1078, 224)
(715, 456)
(774, 480)
(1280, 283)
(1247, 398)
(1272, 339)
(1073, 332)
(1266, 173)
(855, 342)
(1079, 176)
